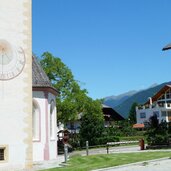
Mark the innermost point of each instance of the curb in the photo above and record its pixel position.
(131, 164)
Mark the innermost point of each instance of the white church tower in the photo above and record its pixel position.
(15, 85)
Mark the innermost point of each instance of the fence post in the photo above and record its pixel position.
(87, 148)
(65, 152)
(107, 148)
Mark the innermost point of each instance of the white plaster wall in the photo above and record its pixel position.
(13, 94)
(53, 141)
(38, 146)
(149, 113)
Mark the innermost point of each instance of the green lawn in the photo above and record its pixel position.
(86, 163)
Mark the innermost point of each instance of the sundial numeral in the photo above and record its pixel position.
(21, 62)
(10, 74)
(20, 50)
(1, 76)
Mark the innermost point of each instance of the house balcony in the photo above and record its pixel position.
(161, 106)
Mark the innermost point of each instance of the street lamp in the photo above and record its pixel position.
(167, 47)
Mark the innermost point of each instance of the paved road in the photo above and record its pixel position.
(158, 165)
(118, 149)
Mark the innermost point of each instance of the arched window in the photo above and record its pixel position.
(52, 119)
(35, 121)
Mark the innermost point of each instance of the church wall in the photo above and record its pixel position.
(53, 141)
(45, 148)
(38, 146)
(15, 84)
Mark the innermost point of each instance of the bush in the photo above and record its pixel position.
(74, 141)
(123, 129)
(104, 140)
(131, 138)
(157, 134)
(155, 138)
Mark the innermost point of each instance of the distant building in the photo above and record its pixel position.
(159, 104)
(110, 116)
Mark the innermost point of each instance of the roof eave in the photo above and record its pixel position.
(46, 89)
(159, 93)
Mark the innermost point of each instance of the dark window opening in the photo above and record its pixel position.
(2, 152)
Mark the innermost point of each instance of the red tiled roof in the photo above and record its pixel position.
(138, 126)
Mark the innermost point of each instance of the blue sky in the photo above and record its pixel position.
(111, 46)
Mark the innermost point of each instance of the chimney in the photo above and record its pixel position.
(150, 100)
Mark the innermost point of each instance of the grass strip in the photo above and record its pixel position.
(87, 163)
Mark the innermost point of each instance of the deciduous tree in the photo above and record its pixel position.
(71, 98)
(92, 122)
(132, 114)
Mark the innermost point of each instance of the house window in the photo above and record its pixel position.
(142, 115)
(168, 94)
(52, 119)
(35, 122)
(163, 113)
(169, 113)
(156, 113)
(162, 97)
(2, 154)
(72, 126)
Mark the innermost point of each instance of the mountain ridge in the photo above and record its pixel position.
(118, 99)
(123, 105)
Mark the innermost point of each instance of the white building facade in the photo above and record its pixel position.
(159, 104)
(27, 98)
(44, 119)
(15, 85)
(43, 128)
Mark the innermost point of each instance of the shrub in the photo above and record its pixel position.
(131, 138)
(157, 134)
(104, 140)
(75, 143)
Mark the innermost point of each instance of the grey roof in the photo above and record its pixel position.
(167, 47)
(107, 110)
(39, 77)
